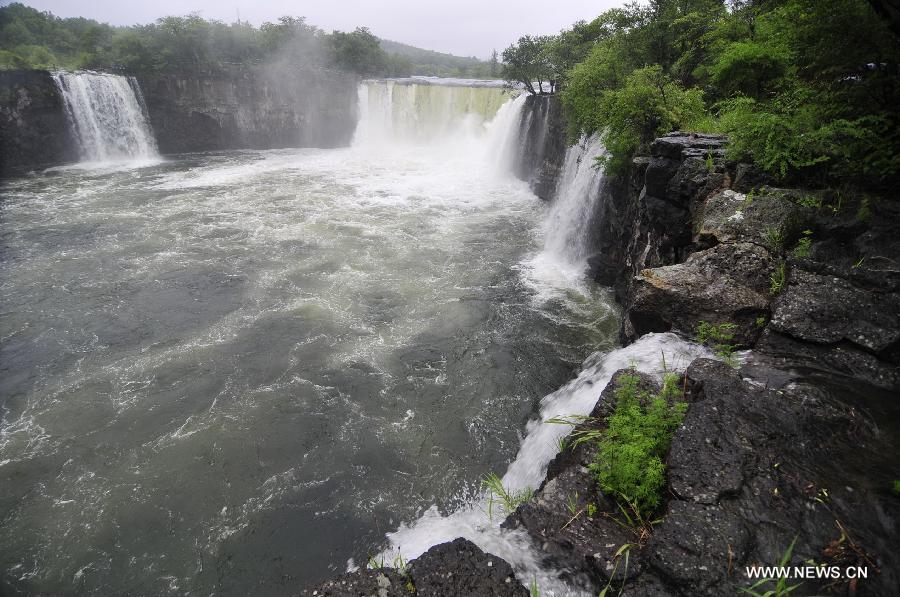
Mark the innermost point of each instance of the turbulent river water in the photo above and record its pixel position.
(231, 373)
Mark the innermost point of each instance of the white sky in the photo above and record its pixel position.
(462, 27)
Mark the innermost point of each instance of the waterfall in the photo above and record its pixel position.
(416, 111)
(505, 144)
(107, 115)
(650, 354)
(567, 228)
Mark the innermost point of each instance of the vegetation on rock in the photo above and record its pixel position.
(629, 459)
(805, 89)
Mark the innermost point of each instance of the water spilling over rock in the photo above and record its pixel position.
(107, 115)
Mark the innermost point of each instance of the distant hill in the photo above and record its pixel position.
(438, 64)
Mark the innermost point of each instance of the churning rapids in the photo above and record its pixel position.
(240, 372)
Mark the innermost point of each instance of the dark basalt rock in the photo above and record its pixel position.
(727, 283)
(461, 568)
(677, 145)
(728, 216)
(752, 468)
(644, 220)
(446, 570)
(542, 142)
(828, 310)
(363, 583)
(33, 129)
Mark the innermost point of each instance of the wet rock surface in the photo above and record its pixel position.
(461, 568)
(727, 283)
(33, 129)
(446, 570)
(363, 583)
(542, 135)
(750, 470)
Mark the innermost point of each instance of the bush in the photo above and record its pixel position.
(629, 460)
(629, 117)
(749, 68)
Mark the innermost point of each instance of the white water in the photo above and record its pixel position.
(504, 143)
(566, 228)
(404, 112)
(540, 445)
(107, 115)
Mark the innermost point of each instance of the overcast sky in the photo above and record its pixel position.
(462, 27)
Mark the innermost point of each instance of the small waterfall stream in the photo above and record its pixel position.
(566, 229)
(577, 398)
(107, 115)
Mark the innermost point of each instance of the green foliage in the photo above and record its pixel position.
(781, 588)
(777, 279)
(805, 89)
(749, 68)
(629, 459)
(527, 62)
(895, 487)
(774, 239)
(719, 337)
(801, 251)
(648, 104)
(507, 499)
(191, 44)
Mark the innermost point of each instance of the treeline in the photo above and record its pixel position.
(33, 39)
(807, 89)
(438, 64)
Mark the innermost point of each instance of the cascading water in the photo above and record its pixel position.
(411, 111)
(567, 226)
(256, 346)
(107, 115)
(653, 354)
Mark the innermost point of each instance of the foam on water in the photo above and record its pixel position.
(220, 344)
(540, 445)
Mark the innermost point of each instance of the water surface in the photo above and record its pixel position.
(231, 373)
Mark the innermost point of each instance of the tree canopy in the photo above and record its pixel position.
(190, 44)
(805, 88)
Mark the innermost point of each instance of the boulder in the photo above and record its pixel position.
(724, 284)
(729, 216)
(828, 310)
(461, 568)
(363, 583)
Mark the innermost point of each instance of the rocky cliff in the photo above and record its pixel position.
(542, 144)
(786, 454)
(808, 277)
(262, 109)
(791, 445)
(33, 128)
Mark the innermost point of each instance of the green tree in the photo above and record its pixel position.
(526, 62)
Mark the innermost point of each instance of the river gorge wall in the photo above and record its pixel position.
(33, 128)
(263, 109)
(251, 110)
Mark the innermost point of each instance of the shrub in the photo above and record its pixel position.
(629, 460)
(801, 251)
(719, 337)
